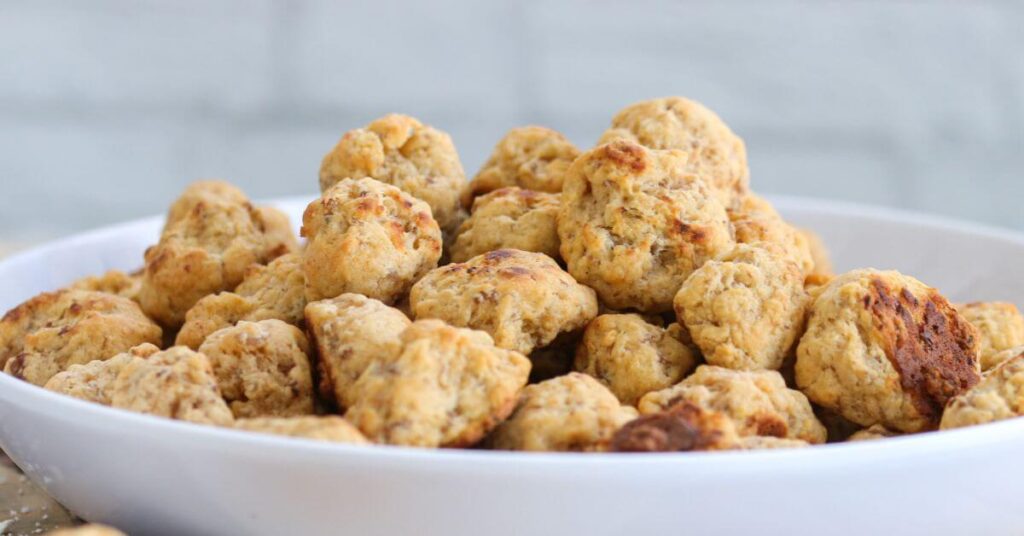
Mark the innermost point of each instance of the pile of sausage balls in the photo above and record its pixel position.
(633, 297)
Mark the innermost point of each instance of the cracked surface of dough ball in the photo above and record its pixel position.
(350, 332)
(875, 431)
(522, 299)
(176, 383)
(746, 310)
(714, 152)
(272, 291)
(277, 287)
(93, 381)
(209, 241)
(262, 369)
(632, 357)
(211, 314)
(531, 157)
(1000, 327)
(280, 235)
(54, 330)
(367, 237)
(634, 225)
(445, 387)
(999, 395)
(112, 282)
(401, 151)
(331, 428)
(758, 402)
(884, 348)
(682, 427)
(571, 413)
(509, 218)
(755, 222)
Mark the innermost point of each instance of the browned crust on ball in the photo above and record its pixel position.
(625, 155)
(932, 348)
(680, 428)
(769, 425)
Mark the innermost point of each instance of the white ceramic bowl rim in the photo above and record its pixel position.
(866, 452)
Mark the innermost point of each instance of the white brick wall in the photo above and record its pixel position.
(134, 56)
(108, 108)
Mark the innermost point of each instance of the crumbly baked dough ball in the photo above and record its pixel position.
(522, 299)
(350, 332)
(91, 529)
(176, 383)
(211, 314)
(746, 310)
(999, 395)
(367, 237)
(634, 225)
(1000, 327)
(446, 387)
(884, 348)
(715, 153)
(875, 431)
(531, 157)
(819, 252)
(755, 221)
(758, 402)
(680, 428)
(632, 357)
(94, 381)
(112, 282)
(509, 218)
(280, 235)
(262, 369)
(276, 288)
(571, 413)
(769, 442)
(54, 330)
(330, 428)
(271, 291)
(213, 234)
(201, 192)
(401, 151)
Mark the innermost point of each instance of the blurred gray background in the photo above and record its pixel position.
(108, 108)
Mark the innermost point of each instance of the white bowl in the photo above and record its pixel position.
(148, 475)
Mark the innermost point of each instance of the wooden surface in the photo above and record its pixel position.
(24, 507)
